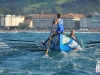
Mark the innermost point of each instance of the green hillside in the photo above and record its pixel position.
(49, 6)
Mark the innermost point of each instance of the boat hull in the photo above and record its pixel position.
(61, 42)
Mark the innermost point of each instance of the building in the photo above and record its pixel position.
(11, 20)
(85, 23)
(2, 20)
(71, 21)
(41, 21)
(95, 21)
(91, 22)
(29, 23)
(44, 21)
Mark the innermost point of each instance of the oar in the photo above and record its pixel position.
(89, 44)
(82, 44)
(19, 40)
(93, 42)
(50, 35)
(49, 41)
(35, 50)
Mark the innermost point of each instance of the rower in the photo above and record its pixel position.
(60, 29)
(72, 35)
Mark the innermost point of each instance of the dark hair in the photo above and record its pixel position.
(58, 15)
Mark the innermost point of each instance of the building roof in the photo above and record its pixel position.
(27, 20)
(70, 15)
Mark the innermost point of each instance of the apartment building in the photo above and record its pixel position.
(2, 20)
(95, 21)
(44, 21)
(91, 22)
(85, 23)
(71, 21)
(11, 20)
(41, 21)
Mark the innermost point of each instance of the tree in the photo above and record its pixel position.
(23, 26)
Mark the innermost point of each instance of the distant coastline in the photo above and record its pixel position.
(47, 31)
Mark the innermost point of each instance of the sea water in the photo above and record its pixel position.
(17, 57)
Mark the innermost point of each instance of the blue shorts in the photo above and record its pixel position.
(58, 31)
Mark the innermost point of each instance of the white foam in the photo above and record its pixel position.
(46, 56)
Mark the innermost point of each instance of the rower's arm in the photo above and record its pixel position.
(56, 22)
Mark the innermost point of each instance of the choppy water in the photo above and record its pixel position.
(21, 61)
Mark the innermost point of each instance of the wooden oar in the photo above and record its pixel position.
(93, 42)
(19, 40)
(49, 41)
(89, 44)
(36, 50)
(50, 36)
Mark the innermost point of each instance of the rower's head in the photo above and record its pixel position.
(72, 31)
(58, 15)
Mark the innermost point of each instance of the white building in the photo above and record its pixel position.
(11, 20)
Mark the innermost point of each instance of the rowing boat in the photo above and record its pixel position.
(62, 42)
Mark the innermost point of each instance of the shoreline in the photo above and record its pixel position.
(46, 31)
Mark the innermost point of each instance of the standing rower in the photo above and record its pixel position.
(60, 29)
